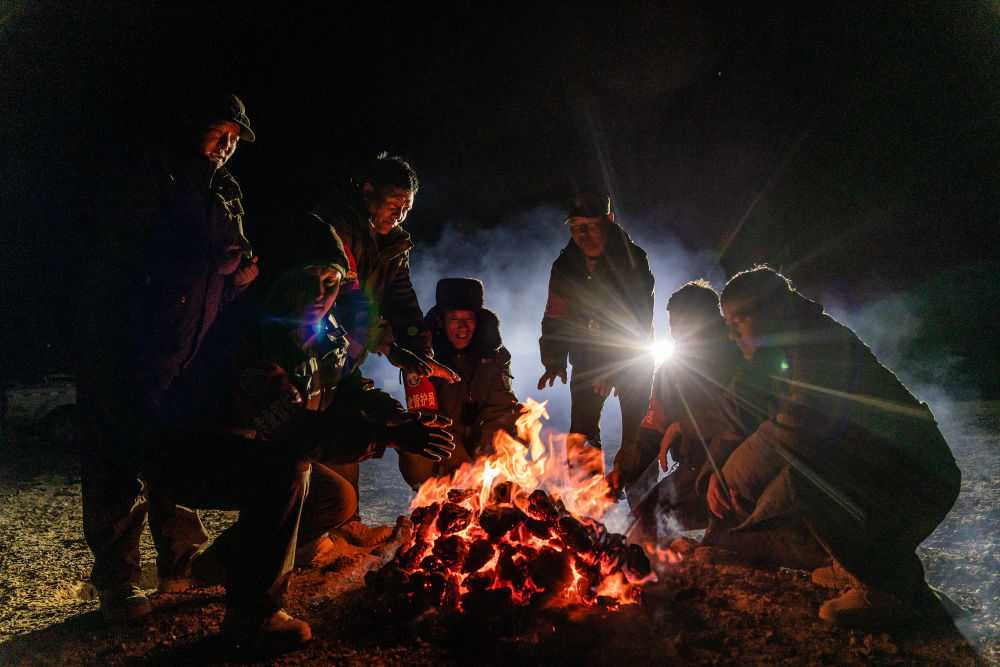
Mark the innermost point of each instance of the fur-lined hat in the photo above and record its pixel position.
(465, 294)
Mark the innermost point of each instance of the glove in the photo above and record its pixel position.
(419, 433)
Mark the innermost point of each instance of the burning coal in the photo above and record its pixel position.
(521, 527)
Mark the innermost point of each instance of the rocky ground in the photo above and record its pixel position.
(699, 611)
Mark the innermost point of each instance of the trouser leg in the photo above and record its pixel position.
(177, 533)
(352, 473)
(114, 499)
(586, 405)
(268, 484)
(633, 396)
(331, 502)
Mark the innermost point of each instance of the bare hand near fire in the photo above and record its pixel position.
(439, 370)
(550, 377)
(614, 482)
(672, 435)
(721, 506)
(604, 385)
(247, 272)
(419, 433)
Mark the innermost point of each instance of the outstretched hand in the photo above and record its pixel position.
(604, 385)
(550, 377)
(719, 504)
(420, 433)
(614, 481)
(670, 437)
(409, 362)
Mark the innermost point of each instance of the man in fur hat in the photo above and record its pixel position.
(466, 337)
(599, 317)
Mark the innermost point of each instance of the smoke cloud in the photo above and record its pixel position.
(513, 260)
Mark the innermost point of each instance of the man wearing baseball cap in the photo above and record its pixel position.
(170, 255)
(599, 318)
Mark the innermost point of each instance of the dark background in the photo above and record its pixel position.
(853, 145)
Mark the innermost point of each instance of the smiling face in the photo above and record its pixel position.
(459, 325)
(218, 141)
(387, 205)
(589, 234)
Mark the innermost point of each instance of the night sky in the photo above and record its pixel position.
(855, 148)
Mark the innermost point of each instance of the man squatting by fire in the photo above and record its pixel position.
(172, 255)
(466, 337)
(378, 304)
(840, 467)
(273, 392)
(599, 316)
(690, 413)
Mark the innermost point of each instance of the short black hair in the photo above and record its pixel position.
(390, 170)
(760, 291)
(697, 297)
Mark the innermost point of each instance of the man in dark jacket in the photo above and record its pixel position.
(377, 303)
(841, 450)
(171, 255)
(599, 315)
(466, 338)
(690, 413)
(267, 398)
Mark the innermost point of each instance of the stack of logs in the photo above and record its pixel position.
(519, 549)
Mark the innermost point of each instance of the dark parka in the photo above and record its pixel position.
(482, 401)
(185, 275)
(840, 442)
(601, 316)
(377, 285)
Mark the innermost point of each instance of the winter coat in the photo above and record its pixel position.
(377, 285)
(482, 401)
(185, 270)
(691, 388)
(601, 316)
(254, 380)
(848, 435)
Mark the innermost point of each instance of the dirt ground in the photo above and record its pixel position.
(698, 612)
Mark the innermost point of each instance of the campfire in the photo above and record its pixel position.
(521, 527)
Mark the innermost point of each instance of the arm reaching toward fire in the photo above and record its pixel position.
(419, 433)
(550, 376)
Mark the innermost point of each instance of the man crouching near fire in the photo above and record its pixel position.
(841, 447)
(466, 337)
(254, 428)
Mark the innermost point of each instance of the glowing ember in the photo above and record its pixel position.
(522, 527)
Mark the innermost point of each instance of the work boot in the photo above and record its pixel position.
(867, 608)
(360, 535)
(277, 632)
(124, 604)
(204, 570)
(834, 576)
(313, 553)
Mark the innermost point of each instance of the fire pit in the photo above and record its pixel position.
(521, 527)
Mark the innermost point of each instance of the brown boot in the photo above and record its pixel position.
(124, 604)
(834, 576)
(866, 608)
(315, 553)
(277, 632)
(360, 535)
(204, 570)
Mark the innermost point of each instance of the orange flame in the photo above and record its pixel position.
(534, 555)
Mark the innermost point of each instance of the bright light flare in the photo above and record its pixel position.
(661, 350)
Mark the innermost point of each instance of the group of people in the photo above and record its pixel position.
(204, 388)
